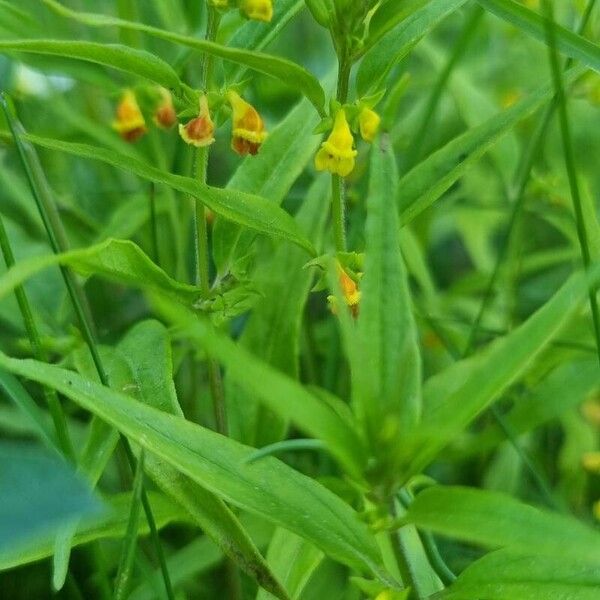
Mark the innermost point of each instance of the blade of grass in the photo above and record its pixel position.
(569, 156)
(59, 243)
(54, 405)
(125, 570)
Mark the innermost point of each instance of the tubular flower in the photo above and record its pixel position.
(337, 153)
(369, 122)
(248, 127)
(165, 115)
(129, 123)
(200, 131)
(350, 292)
(259, 10)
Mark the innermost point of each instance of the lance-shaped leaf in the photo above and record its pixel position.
(267, 487)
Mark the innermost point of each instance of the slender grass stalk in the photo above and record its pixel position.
(154, 224)
(125, 569)
(54, 405)
(415, 150)
(567, 142)
(59, 243)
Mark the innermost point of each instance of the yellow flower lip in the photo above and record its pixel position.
(258, 10)
(199, 131)
(248, 131)
(129, 122)
(337, 153)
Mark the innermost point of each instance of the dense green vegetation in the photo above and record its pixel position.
(299, 299)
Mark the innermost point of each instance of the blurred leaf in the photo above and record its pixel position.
(504, 574)
(285, 70)
(111, 524)
(398, 42)
(498, 520)
(39, 495)
(123, 58)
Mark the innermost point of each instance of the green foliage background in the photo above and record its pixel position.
(442, 444)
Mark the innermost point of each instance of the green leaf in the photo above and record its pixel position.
(123, 58)
(118, 260)
(399, 41)
(40, 494)
(141, 363)
(245, 209)
(498, 520)
(504, 574)
(388, 374)
(456, 396)
(272, 331)
(268, 487)
(532, 23)
(111, 524)
(285, 70)
(270, 174)
(429, 180)
(294, 560)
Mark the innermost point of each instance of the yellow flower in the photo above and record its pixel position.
(259, 10)
(337, 153)
(129, 121)
(200, 131)
(591, 462)
(369, 122)
(165, 115)
(248, 127)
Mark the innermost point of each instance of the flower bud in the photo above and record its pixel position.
(129, 122)
(165, 115)
(200, 131)
(248, 127)
(337, 153)
(259, 10)
(369, 122)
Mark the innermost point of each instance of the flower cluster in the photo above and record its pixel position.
(337, 153)
(248, 129)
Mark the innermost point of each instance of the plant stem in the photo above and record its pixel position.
(54, 405)
(202, 250)
(154, 224)
(565, 128)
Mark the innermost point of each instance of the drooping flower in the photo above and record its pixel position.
(337, 153)
(129, 122)
(199, 131)
(350, 292)
(248, 132)
(259, 10)
(369, 122)
(165, 115)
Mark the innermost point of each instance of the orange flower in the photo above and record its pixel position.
(165, 115)
(200, 131)
(259, 10)
(129, 121)
(248, 127)
(350, 292)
